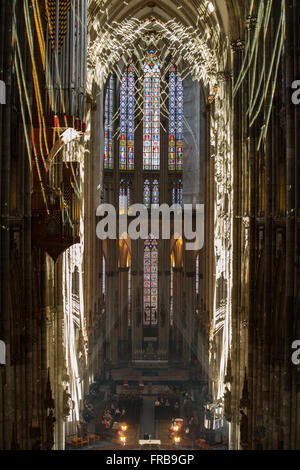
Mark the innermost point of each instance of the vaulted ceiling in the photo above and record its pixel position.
(196, 32)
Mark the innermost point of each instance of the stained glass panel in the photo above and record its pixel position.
(151, 148)
(108, 124)
(129, 296)
(147, 194)
(175, 119)
(150, 281)
(127, 102)
(130, 124)
(151, 193)
(179, 130)
(172, 116)
(124, 195)
(155, 193)
(123, 122)
(177, 192)
(197, 275)
(180, 193)
(106, 130)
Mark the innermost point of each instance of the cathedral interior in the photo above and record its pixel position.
(187, 104)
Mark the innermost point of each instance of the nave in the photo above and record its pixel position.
(150, 223)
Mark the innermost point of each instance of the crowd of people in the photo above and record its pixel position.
(166, 408)
(132, 403)
(125, 408)
(113, 414)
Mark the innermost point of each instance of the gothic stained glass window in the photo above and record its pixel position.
(129, 296)
(150, 281)
(124, 195)
(175, 119)
(127, 102)
(151, 150)
(155, 193)
(108, 124)
(197, 275)
(123, 122)
(172, 116)
(103, 276)
(130, 123)
(147, 194)
(151, 193)
(177, 192)
(179, 130)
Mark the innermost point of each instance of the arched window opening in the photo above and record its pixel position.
(151, 193)
(197, 275)
(172, 290)
(129, 295)
(127, 102)
(177, 192)
(124, 195)
(103, 277)
(151, 151)
(175, 119)
(108, 124)
(150, 281)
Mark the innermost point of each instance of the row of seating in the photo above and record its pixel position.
(81, 441)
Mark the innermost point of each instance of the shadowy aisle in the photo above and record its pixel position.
(147, 418)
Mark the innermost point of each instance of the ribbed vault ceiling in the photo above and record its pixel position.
(194, 31)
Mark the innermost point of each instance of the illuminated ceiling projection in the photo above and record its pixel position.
(196, 33)
(121, 30)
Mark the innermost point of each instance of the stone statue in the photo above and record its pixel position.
(66, 404)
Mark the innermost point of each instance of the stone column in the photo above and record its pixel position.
(123, 313)
(238, 48)
(164, 296)
(290, 220)
(177, 313)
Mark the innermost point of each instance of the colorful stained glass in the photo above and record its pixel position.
(172, 116)
(180, 193)
(147, 194)
(151, 193)
(175, 119)
(127, 102)
(177, 192)
(108, 124)
(197, 275)
(155, 193)
(150, 281)
(130, 121)
(179, 127)
(171, 296)
(123, 122)
(124, 195)
(129, 296)
(151, 148)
